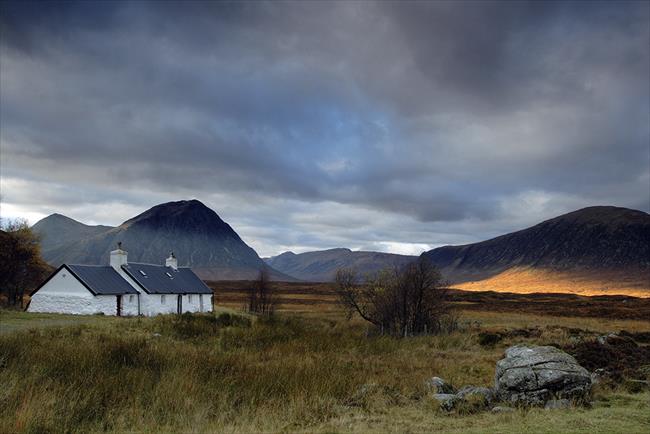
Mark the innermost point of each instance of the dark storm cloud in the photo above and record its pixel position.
(457, 112)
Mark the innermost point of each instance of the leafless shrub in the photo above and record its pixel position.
(402, 302)
(261, 297)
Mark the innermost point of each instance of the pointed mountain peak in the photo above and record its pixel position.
(184, 216)
(173, 210)
(56, 216)
(58, 220)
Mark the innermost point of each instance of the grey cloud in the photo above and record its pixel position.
(445, 113)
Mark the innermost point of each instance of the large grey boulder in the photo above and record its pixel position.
(535, 375)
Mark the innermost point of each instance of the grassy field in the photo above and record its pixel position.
(309, 297)
(302, 371)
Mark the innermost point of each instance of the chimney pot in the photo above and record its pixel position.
(171, 261)
(118, 257)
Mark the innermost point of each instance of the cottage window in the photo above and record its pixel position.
(130, 299)
(162, 299)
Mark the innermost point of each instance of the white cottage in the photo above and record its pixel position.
(122, 288)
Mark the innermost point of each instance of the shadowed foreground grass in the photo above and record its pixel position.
(228, 373)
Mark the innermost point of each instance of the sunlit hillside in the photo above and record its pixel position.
(525, 280)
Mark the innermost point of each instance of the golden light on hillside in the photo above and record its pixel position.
(524, 280)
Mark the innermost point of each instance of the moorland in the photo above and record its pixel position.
(308, 368)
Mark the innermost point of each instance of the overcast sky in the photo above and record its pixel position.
(385, 126)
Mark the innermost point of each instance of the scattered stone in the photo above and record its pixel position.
(367, 389)
(447, 400)
(438, 385)
(485, 394)
(156, 335)
(622, 341)
(362, 394)
(602, 340)
(557, 404)
(532, 376)
(502, 409)
(598, 375)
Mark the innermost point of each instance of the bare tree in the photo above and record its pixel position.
(407, 301)
(261, 296)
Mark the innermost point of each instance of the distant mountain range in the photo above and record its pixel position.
(196, 234)
(592, 249)
(321, 266)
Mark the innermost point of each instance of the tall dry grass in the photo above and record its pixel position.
(228, 373)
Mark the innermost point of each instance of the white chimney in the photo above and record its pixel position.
(118, 257)
(171, 261)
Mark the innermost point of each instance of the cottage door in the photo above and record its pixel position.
(119, 305)
(179, 304)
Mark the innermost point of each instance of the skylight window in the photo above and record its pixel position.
(168, 275)
(143, 273)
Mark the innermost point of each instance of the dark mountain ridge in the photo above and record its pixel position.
(198, 236)
(599, 237)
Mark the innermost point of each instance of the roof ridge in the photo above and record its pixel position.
(157, 265)
(144, 263)
(88, 265)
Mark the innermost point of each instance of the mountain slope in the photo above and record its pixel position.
(57, 229)
(197, 235)
(595, 238)
(321, 266)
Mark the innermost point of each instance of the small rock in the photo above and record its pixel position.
(502, 409)
(556, 404)
(598, 375)
(438, 385)
(447, 400)
(485, 393)
(156, 335)
(602, 340)
(367, 389)
(362, 394)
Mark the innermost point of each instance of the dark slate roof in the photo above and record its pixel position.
(159, 279)
(101, 280)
